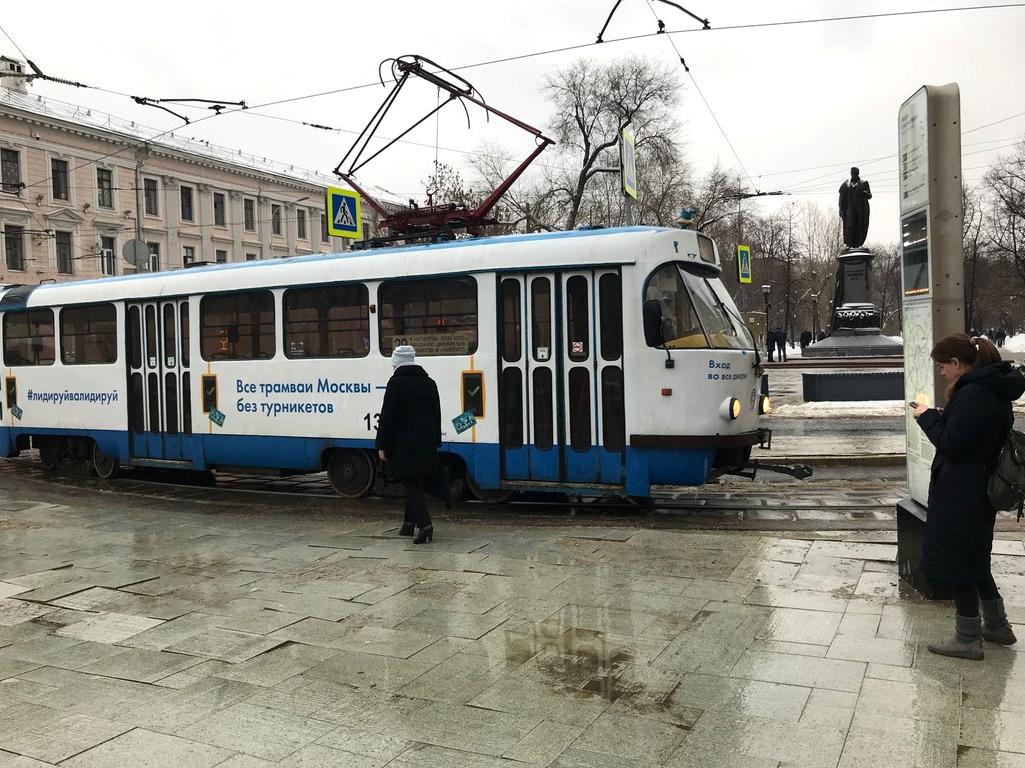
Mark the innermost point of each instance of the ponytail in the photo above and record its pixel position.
(973, 351)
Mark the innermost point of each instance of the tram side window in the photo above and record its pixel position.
(327, 321)
(237, 326)
(577, 318)
(511, 328)
(89, 335)
(541, 318)
(29, 338)
(610, 302)
(680, 326)
(437, 316)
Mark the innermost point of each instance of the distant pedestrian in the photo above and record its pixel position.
(408, 437)
(805, 339)
(770, 343)
(822, 335)
(969, 434)
(781, 344)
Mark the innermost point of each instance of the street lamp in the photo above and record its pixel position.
(768, 346)
(814, 317)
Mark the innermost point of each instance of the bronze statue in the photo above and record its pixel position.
(854, 197)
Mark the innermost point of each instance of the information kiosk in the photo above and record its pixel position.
(929, 140)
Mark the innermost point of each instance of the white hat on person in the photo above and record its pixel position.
(403, 355)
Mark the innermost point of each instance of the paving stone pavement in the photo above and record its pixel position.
(188, 634)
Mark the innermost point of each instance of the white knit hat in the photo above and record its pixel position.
(403, 355)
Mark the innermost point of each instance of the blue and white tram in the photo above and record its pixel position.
(594, 362)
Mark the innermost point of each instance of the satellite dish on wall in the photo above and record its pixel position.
(136, 253)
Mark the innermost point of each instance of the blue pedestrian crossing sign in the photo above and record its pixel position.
(744, 264)
(344, 213)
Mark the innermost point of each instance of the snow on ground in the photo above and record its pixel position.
(854, 409)
(831, 409)
(1015, 344)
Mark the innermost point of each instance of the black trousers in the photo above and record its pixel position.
(416, 503)
(967, 596)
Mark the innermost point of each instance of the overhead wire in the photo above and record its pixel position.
(563, 49)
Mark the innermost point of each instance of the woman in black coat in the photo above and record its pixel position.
(969, 434)
(408, 436)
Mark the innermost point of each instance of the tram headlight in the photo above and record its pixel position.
(764, 405)
(729, 409)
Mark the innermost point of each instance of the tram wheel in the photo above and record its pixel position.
(489, 496)
(49, 453)
(106, 467)
(351, 473)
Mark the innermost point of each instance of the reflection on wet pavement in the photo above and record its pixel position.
(156, 632)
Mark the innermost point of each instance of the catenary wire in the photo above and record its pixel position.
(519, 57)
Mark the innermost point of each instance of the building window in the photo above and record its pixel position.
(154, 257)
(331, 321)
(250, 257)
(107, 257)
(10, 170)
(323, 228)
(150, 193)
(28, 337)
(221, 256)
(219, 209)
(300, 223)
(275, 219)
(437, 316)
(249, 214)
(14, 246)
(65, 260)
(104, 188)
(59, 178)
(186, 195)
(237, 326)
(89, 335)
(188, 255)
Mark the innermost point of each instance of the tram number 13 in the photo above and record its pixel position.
(373, 421)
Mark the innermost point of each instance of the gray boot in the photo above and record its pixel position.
(995, 627)
(966, 642)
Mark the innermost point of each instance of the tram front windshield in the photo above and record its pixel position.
(694, 315)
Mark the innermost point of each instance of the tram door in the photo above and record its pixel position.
(528, 378)
(159, 386)
(591, 355)
(561, 378)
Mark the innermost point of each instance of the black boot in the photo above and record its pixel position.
(407, 529)
(426, 534)
(995, 626)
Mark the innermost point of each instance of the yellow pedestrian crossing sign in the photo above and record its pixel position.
(628, 163)
(344, 213)
(744, 264)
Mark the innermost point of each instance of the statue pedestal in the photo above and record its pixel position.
(855, 325)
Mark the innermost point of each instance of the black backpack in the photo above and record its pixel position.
(1006, 489)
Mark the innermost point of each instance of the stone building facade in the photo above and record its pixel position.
(76, 185)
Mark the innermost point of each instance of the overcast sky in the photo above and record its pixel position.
(788, 97)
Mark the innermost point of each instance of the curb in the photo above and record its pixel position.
(862, 460)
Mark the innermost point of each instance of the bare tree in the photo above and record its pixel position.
(530, 204)
(446, 185)
(593, 103)
(1005, 185)
(972, 247)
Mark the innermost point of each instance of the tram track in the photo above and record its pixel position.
(831, 504)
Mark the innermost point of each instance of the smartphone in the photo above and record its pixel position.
(913, 404)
